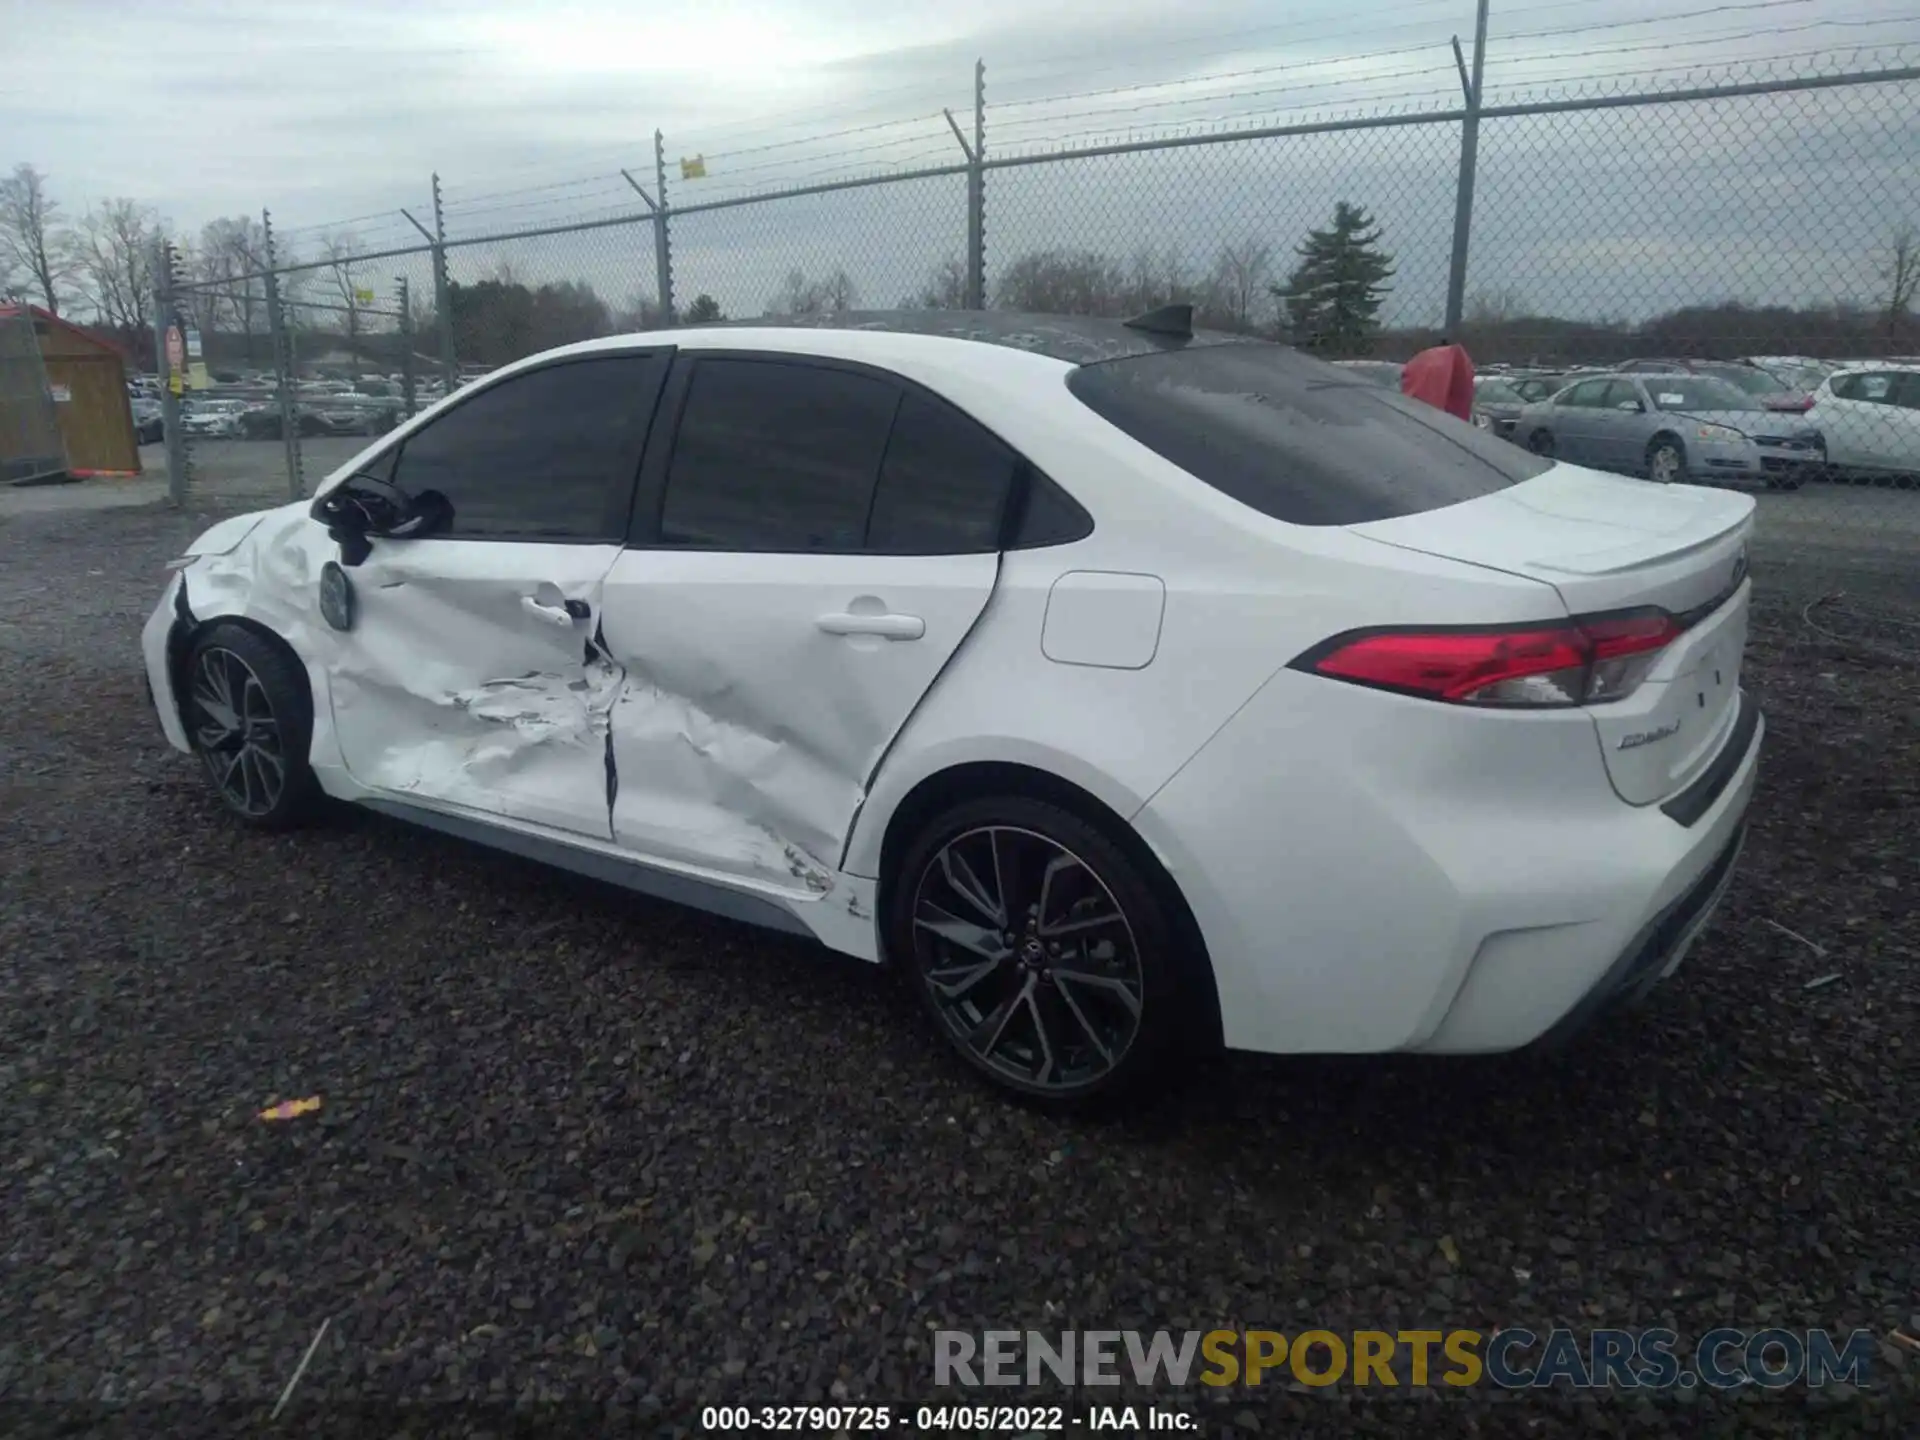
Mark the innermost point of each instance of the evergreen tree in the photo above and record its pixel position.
(1334, 293)
(704, 310)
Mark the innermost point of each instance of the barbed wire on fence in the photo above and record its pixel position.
(1572, 212)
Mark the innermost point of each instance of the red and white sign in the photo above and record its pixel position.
(176, 349)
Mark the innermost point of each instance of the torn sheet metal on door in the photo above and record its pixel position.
(468, 704)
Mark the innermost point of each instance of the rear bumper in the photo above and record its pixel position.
(1656, 952)
(1709, 817)
(1402, 888)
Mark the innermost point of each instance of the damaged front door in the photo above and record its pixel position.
(470, 678)
(472, 675)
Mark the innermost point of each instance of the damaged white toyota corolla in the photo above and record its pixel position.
(1132, 690)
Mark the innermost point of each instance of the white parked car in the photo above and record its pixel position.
(1870, 417)
(217, 419)
(1129, 690)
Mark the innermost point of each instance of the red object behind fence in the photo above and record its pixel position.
(1443, 377)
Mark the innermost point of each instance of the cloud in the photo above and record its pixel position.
(323, 110)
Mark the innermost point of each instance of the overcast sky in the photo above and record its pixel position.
(330, 110)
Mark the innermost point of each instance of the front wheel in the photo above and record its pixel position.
(1540, 442)
(250, 721)
(1043, 954)
(1666, 461)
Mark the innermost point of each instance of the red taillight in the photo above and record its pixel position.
(1799, 404)
(1574, 663)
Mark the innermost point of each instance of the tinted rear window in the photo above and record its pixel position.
(1296, 438)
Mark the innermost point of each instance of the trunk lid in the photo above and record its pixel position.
(1604, 542)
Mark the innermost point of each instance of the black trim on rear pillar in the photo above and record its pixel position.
(1691, 803)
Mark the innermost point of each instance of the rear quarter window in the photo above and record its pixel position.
(1296, 438)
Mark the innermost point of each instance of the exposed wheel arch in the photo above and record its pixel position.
(947, 787)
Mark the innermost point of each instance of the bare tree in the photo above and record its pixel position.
(829, 295)
(1155, 278)
(32, 239)
(945, 288)
(340, 251)
(231, 253)
(1494, 307)
(113, 258)
(1236, 287)
(1903, 279)
(1061, 282)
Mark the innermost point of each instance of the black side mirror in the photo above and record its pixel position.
(365, 507)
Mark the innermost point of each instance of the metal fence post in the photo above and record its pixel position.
(408, 387)
(282, 364)
(165, 318)
(977, 195)
(662, 240)
(1469, 155)
(442, 290)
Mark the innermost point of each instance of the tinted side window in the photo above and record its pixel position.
(1906, 390)
(1586, 394)
(776, 456)
(1297, 439)
(550, 454)
(943, 484)
(1049, 516)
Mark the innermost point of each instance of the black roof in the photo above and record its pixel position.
(1079, 339)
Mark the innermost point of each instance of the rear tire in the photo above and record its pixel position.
(249, 718)
(1041, 952)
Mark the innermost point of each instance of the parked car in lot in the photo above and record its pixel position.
(1497, 403)
(149, 425)
(825, 626)
(263, 421)
(1871, 419)
(1673, 428)
(1534, 385)
(351, 413)
(1798, 372)
(1762, 384)
(211, 419)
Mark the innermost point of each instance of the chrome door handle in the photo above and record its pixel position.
(888, 627)
(552, 614)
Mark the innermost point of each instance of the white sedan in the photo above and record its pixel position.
(1132, 691)
(1870, 417)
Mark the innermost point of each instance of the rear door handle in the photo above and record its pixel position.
(889, 627)
(561, 615)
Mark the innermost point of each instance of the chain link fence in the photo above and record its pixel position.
(1745, 241)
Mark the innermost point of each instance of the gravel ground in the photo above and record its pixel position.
(612, 1159)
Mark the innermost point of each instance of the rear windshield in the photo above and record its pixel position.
(1296, 438)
